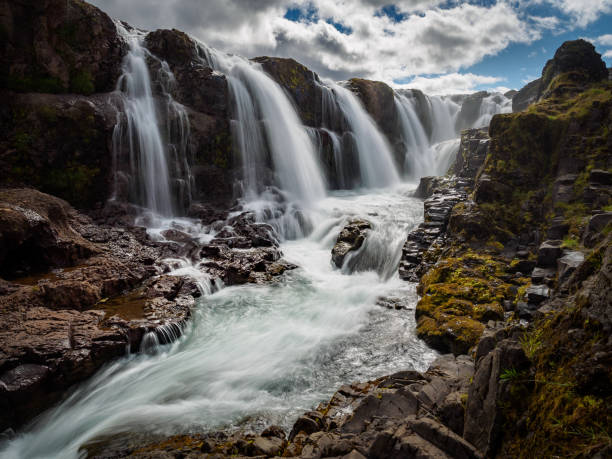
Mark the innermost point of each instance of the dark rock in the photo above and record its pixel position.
(37, 233)
(577, 56)
(540, 275)
(55, 46)
(483, 420)
(427, 186)
(350, 239)
(274, 431)
(472, 153)
(537, 293)
(307, 423)
(526, 96)
(549, 252)
(558, 228)
(600, 177)
(593, 232)
(568, 263)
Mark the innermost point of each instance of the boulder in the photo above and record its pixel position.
(350, 239)
(568, 263)
(549, 252)
(37, 233)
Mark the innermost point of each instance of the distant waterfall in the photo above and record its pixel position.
(430, 127)
(265, 120)
(376, 166)
(154, 146)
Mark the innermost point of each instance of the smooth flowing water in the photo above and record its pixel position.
(256, 355)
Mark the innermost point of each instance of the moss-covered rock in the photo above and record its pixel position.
(60, 145)
(459, 295)
(56, 46)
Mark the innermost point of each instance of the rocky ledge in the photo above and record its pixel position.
(75, 294)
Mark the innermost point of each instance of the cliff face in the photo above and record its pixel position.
(56, 46)
(532, 242)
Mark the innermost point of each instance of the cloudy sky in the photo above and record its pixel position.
(440, 46)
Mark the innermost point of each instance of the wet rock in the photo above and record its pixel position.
(542, 275)
(350, 239)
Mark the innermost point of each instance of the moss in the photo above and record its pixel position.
(458, 294)
(73, 182)
(22, 141)
(34, 83)
(81, 82)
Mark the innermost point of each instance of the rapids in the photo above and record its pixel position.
(257, 355)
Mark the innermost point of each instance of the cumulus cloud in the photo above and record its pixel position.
(378, 39)
(583, 12)
(453, 83)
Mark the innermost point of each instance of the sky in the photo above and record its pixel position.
(438, 46)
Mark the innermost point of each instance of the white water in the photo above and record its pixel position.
(256, 355)
(147, 153)
(376, 166)
(265, 118)
(433, 154)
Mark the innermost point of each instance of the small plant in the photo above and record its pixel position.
(531, 343)
(509, 374)
(569, 242)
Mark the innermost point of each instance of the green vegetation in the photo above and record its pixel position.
(82, 83)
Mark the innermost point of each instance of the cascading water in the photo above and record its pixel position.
(154, 155)
(266, 121)
(376, 166)
(432, 153)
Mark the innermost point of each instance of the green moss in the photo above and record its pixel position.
(81, 82)
(29, 83)
(73, 182)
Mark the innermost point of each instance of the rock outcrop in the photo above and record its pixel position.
(55, 46)
(351, 238)
(527, 95)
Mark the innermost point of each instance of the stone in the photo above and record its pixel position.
(537, 293)
(548, 253)
(350, 239)
(568, 263)
(600, 177)
(540, 275)
(593, 232)
(268, 446)
(526, 96)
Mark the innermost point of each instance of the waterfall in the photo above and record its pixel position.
(429, 127)
(376, 166)
(152, 134)
(266, 121)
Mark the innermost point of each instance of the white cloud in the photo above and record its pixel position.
(583, 12)
(608, 53)
(436, 40)
(452, 83)
(604, 40)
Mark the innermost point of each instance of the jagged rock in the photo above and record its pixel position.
(427, 186)
(541, 275)
(58, 46)
(573, 56)
(537, 293)
(549, 252)
(568, 263)
(483, 420)
(472, 152)
(593, 232)
(36, 233)
(526, 96)
(350, 239)
(600, 177)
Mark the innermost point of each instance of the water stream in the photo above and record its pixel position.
(257, 355)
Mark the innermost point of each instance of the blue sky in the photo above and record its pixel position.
(439, 46)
